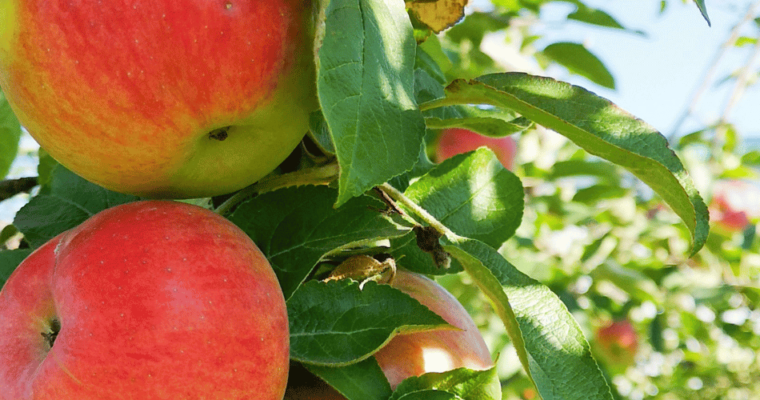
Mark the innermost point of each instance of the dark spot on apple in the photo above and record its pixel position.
(219, 134)
(55, 327)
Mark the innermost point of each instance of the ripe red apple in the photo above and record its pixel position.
(161, 98)
(149, 300)
(455, 141)
(617, 342)
(439, 350)
(733, 204)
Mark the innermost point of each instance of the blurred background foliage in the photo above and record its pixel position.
(662, 325)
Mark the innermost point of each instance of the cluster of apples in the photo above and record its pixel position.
(160, 299)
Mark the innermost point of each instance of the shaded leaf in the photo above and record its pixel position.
(296, 227)
(337, 323)
(359, 381)
(9, 260)
(70, 201)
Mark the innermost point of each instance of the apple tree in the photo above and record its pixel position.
(389, 78)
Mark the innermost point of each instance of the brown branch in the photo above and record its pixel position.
(12, 187)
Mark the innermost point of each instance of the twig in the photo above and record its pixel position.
(707, 77)
(322, 175)
(12, 187)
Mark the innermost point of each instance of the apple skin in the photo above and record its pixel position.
(617, 342)
(439, 350)
(154, 300)
(455, 141)
(161, 99)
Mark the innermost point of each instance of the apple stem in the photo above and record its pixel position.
(322, 175)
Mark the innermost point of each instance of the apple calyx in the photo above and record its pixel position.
(54, 326)
(219, 134)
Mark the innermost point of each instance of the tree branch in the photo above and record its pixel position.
(12, 187)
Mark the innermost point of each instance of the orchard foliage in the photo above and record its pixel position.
(569, 242)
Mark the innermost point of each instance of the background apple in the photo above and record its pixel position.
(455, 141)
(734, 204)
(617, 343)
(149, 300)
(160, 98)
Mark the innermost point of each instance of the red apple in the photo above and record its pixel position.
(161, 98)
(149, 300)
(455, 141)
(617, 342)
(733, 204)
(439, 350)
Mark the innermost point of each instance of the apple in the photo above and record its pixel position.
(617, 342)
(439, 350)
(414, 354)
(734, 204)
(161, 98)
(455, 141)
(148, 300)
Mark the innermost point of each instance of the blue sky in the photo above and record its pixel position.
(656, 74)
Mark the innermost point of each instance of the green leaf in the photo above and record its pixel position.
(595, 193)
(548, 341)
(703, 9)
(365, 81)
(473, 195)
(465, 383)
(578, 60)
(70, 201)
(320, 133)
(599, 127)
(9, 260)
(296, 227)
(359, 381)
(338, 323)
(575, 168)
(597, 17)
(492, 123)
(47, 164)
(429, 395)
(10, 133)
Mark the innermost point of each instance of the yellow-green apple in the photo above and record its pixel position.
(453, 141)
(161, 98)
(148, 300)
(617, 343)
(440, 350)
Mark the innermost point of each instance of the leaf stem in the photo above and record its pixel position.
(321, 175)
(425, 216)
